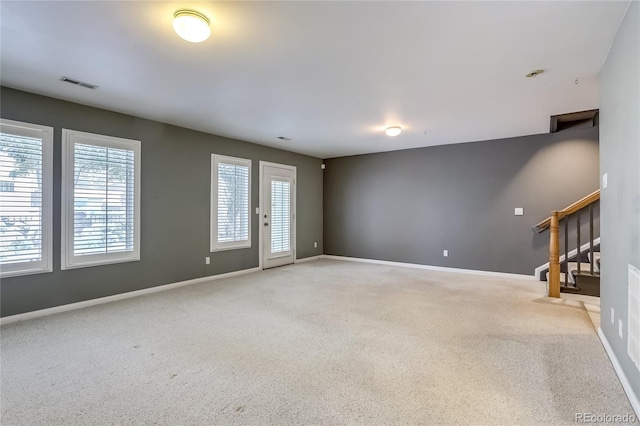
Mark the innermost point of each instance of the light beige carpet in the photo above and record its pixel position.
(324, 342)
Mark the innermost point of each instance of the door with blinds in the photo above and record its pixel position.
(277, 215)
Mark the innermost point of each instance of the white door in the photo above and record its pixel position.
(277, 216)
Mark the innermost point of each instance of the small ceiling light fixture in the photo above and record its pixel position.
(191, 25)
(393, 131)
(534, 73)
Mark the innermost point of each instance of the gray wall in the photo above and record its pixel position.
(175, 196)
(620, 159)
(408, 206)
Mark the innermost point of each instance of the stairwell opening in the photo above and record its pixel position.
(574, 120)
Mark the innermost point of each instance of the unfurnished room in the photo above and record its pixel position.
(319, 212)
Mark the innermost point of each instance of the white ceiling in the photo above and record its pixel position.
(329, 75)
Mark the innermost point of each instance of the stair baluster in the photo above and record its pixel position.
(578, 255)
(566, 250)
(591, 260)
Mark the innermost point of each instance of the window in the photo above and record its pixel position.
(100, 199)
(7, 186)
(26, 173)
(230, 205)
(280, 216)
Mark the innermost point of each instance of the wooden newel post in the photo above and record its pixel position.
(554, 256)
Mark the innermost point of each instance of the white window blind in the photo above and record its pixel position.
(231, 183)
(25, 198)
(101, 200)
(103, 194)
(280, 216)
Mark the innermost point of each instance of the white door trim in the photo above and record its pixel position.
(294, 169)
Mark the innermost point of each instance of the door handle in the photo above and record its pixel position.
(266, 224)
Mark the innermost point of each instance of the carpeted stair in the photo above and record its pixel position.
(583, 281)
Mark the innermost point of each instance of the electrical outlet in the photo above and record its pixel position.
(620, 328)
(445, 253)
(519, 211)
(613, 316)
(315, 245)
(207, 260)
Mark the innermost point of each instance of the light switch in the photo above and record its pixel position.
(445, 253)
(605, 180)
(519, 211)
(257, 210)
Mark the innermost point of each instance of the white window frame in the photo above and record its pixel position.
(69, 138)
(214, 244)
(46, 134)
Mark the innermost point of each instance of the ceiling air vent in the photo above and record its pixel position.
(574, 120)
(79, 83)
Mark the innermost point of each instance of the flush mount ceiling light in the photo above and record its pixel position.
(534, 73)
(393, 131)
(191, 25)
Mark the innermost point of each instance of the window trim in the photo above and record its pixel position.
(46, 264)
(233, 245)
(68, 260)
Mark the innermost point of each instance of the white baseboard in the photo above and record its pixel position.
(121, 296)
(307, 259)
(626, 384)
(150, 290)
(583, 248)
(432, 268)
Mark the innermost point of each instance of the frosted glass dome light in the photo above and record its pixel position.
(393, 131)
(191, 25)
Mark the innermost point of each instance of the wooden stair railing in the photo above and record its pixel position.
(553, 223)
